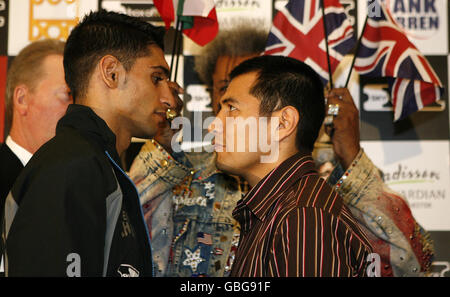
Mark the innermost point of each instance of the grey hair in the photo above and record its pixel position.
(241, 40)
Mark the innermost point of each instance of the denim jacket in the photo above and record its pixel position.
(205, 237)
(404, 247)
(188, 207)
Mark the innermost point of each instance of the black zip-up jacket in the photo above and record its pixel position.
(73, 211)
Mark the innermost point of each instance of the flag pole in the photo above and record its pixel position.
(326, 43)
(358, 45)
(175, 41)
(180, 30)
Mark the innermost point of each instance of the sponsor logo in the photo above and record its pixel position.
(2, 18)
(379, 99)
(198, 99)
(233, 4)
(405, 175)
(420, 19)
(232, 12)
(419, 198)
(52, 18)
(139, 9)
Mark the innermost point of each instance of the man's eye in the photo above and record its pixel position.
(157, 78)
(223, 89)
(232, 108)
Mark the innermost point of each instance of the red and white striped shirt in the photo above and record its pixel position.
(294, 224)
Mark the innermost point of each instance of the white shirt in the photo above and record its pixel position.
(21, 153)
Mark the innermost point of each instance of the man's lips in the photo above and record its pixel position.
(161, 114)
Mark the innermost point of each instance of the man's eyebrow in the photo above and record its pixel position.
(229, 100)
(164, 69)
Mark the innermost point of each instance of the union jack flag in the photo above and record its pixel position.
(298, 32)
(386, 52)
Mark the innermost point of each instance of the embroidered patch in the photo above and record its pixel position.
(209, 186)
(189, 201)
(232, 255)
(127, 229)
(193, 259)
(204, 238)
(210, 190)
(218, 251)
(126, 270)
(217, 265)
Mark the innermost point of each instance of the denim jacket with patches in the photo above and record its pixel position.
(404, 247)
(188, 207)
(205, 237)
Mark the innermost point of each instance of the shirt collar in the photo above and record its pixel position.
(262, 196)
(22, 154)
(86, 121)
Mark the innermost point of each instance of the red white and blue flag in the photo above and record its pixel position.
(298, 32)
(204, 238)
(386, 52)
(198, 16)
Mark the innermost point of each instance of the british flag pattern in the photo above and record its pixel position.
(298, 32)
(385, 51)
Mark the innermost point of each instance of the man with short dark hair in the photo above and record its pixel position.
(405, 249)
(73, 211)
(292, 222)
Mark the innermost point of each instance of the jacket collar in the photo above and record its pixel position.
(203, 162)
(263, 195)
(83, 119)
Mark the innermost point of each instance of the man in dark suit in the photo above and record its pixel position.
(36, 98)
(9, 170)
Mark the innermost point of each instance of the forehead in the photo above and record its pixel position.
(239, 91)
(225, 64)
(51, 69)
(52, 63)
(155, 58)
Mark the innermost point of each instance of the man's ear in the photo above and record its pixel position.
(288, 118)
(21, 99)
(111, 70)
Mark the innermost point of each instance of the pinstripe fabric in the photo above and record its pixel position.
(294, 224)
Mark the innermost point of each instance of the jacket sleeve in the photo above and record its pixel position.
(59, 226)
(155, 171)
(404, 246)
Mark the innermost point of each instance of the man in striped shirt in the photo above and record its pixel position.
(292, 222)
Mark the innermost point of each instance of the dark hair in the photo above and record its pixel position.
(284, 81)
(101, 33)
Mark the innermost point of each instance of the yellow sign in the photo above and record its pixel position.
(52, 18)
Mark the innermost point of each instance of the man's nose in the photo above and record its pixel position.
(168, 97)
(216, 126)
